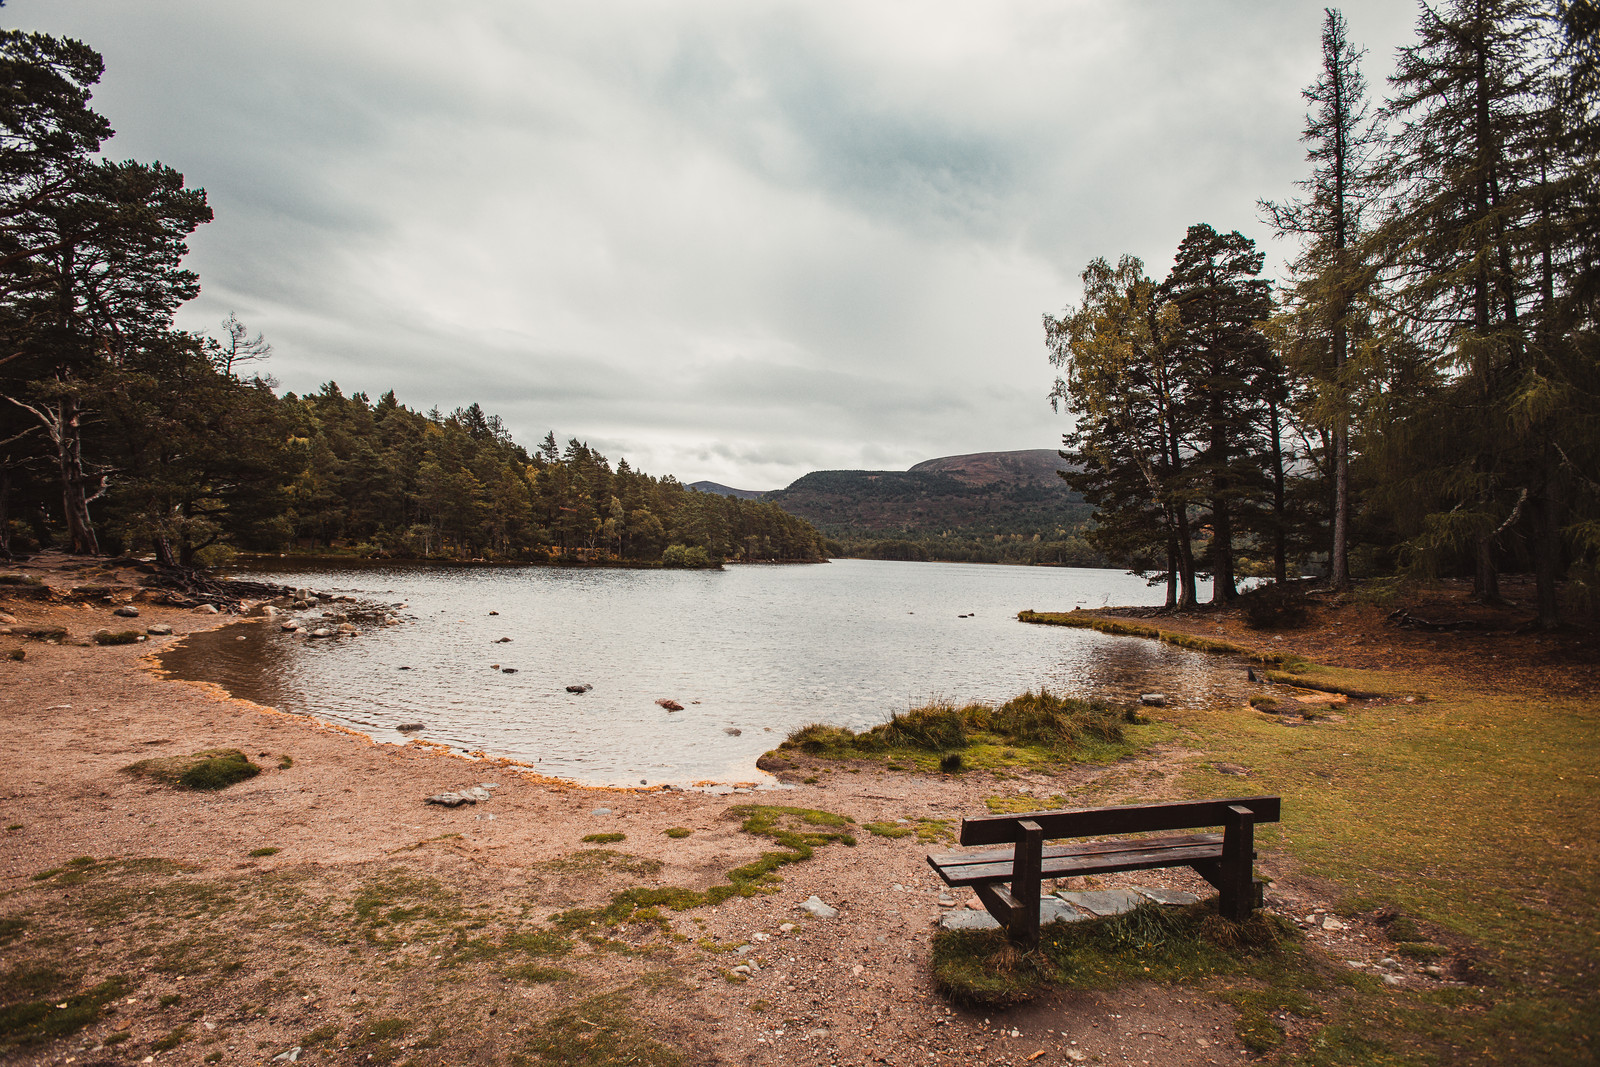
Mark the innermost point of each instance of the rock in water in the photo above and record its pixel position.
(321, 631)
(584, 688)
(670, 705)
(816, 907)
(732, 731)
(508, 670)
(289, 627)
(127, 611)
(409, 727)
(1154, 700)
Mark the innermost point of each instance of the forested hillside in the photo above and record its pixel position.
(992, 507)
(120, 433)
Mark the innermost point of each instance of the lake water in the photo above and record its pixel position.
(756, 649)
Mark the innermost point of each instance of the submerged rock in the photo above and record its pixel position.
(732, 731)
(409, 727)
(670, 705)
(1154, 700)
(584, 688)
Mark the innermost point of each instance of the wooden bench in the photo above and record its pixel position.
(1224, 859)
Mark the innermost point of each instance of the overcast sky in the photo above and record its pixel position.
(731, 240)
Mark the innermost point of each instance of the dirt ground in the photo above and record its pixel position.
(324, 907)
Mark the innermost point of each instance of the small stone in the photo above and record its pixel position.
(1174, 897)
(1389, 962)
(1154, 700)
(508, 670)
(502, 640)
(786, 928)
(1434, 969)
(742, 968)
(946, 902)
(159, 630)
(732, 731)
(601, 811)
(7, 620)
(1103, 902)
(451, 800)
(816, 907)
(321, 631)
(291, 1056)
(1390, 979)
(1231, 768)
(967, 920)
(127, 611)
(1330, 923)
(209, 609)
(579, 688)
(670, 705)
(289, 627)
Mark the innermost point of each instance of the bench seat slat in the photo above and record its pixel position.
(1102, 863)
(953, 860)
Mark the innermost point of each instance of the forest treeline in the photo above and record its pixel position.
(119, 432)
(1423, 394)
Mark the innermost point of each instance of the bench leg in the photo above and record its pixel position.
(1237, 886)
(1025, 876)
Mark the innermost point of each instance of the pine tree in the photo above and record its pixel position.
(1329, 279)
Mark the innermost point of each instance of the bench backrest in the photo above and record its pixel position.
(1126, 819)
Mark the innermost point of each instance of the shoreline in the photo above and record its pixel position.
(238, 925)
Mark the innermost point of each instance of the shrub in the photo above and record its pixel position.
(1275, 607)
(951, 763)
(1054, 722)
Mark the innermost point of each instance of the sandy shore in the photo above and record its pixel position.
(383, 929)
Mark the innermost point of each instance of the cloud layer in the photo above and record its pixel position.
(728, 240)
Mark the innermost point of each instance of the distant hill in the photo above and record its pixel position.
(723, 490)
(989, 506)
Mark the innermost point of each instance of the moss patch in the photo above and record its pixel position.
(604, 839)
(215, 768)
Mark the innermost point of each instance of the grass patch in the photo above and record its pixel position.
(36, 1011)
(1032, 729)
(539, 974)
(257, 853)
(1123, 628)
(11, 929)
(677, 832)
(597, 1031)
(215, 768)
(603, 839)
(173, 1039)
(1408, 809)
(887, 829)
(597, 861)
(798, 831)
(120, 637)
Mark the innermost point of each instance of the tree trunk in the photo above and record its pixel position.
(74, 493)
(5, 512)
(1280, 546)
(1172, 568)
(1187, 598)
(1486, 579)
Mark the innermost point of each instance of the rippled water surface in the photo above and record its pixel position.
(757, 649)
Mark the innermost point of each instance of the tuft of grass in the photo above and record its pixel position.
(17, 654)
(120, 637)
(285, 762)
(599, 1031)
(215, 768)
(887, 829)
(173, 1039)
(539, 973)
(266, 851)
(677, 832)
(40, 1016)
(1035, 728)
(604, 839)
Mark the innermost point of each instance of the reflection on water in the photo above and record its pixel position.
(751, 653)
